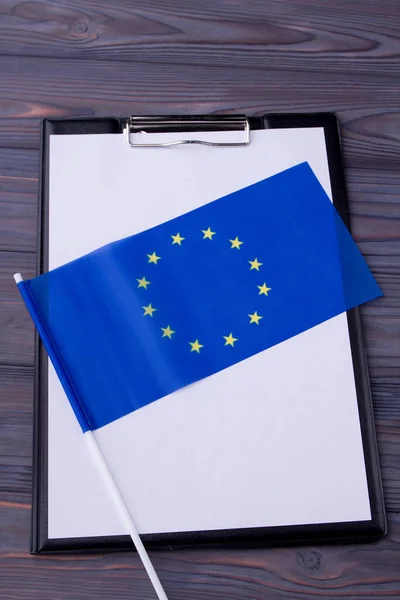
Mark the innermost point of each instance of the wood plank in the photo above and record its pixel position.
(16, 389)
(373, 184)
(16, 328)
(333, 37)
(18, 222)
(19, 133)
(55, 79)
(14, 184)
(388, 434)
(19, 163)
(55, 90)
(85, 58)
(16, 393)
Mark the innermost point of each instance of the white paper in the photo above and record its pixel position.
(274, 440)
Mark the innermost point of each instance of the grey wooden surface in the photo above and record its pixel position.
(60, 58)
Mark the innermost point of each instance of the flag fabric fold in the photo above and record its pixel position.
(144, 316)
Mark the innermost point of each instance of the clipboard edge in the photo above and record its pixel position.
(255, 537)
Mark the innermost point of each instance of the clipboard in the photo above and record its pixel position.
(318, 532)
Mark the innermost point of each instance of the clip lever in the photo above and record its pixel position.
(207, 124)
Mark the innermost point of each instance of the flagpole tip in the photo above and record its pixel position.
(18, 278)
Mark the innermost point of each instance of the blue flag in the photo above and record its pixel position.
(146, 315)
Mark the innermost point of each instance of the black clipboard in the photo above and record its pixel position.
(300, 534)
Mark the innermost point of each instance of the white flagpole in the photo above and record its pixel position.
(126, 518)
(119, 503)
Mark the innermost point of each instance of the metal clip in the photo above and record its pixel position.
(169, 125)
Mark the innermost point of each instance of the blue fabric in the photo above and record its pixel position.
(208, 287)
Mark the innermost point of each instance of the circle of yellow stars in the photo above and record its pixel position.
(168, 332)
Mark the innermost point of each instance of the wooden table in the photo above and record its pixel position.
(80, 57)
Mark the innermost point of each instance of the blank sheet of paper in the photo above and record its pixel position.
(274, 440)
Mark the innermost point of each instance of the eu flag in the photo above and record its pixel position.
(146, 315)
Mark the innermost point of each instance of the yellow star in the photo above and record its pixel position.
(208, 233)
(229, 340)
(254, 318)
(195, 346)
(153, 258)
(148, 310)
(263, 289)
(236, 243)
(143, 283)
(177, 239)
(167, 332)
(255, 264)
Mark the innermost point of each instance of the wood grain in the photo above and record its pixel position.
(339, 36)
(119, 88)
(79, 57)
(16, 330)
